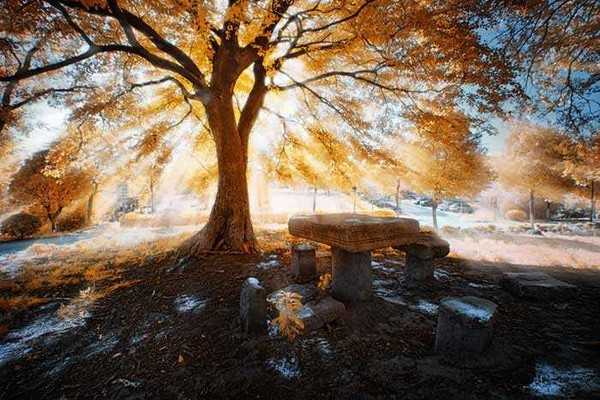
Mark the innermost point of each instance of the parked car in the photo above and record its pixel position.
(407, 194)
(461, 207)
(424, 202)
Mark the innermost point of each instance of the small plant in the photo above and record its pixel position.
(288, 322)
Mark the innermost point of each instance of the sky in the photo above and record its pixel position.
(47, 124)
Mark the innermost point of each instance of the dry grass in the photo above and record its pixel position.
(21, 302)
(99, 265)
(540, 251)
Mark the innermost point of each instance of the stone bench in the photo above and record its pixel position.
(420, 255)
(352, 237)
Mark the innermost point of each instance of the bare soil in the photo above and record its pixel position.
(137, 344)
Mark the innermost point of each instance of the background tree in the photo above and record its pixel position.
(555, 46)
(445, 159)
(207, 54)
(582, 165)
(533, 163)
(38, 183)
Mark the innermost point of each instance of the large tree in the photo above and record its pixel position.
(218, 61)
(582, 164)
(39, 183)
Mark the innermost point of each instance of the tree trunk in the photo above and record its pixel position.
(90, 203)
(229, 227)
(531, 209)
(151, 195)
(398, 195)
(52, 223)
(434, 206)
(548, 210)
(315, 200)
(52, 217)
(593, 201)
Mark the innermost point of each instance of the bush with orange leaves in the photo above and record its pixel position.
(289, 323)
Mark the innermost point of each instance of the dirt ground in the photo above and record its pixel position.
(174, 333)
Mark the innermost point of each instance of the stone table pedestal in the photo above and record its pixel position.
(351, 275)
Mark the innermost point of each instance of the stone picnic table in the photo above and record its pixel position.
(352, 237)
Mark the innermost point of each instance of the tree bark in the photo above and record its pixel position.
(531, 209)
(53, 217)
(434, 206)
(593, 202)
(398, 195)
(151, 194)
(90, 203)
(229, 227)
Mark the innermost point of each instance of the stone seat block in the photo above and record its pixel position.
(304, 263)
(316, 314)
(465, 325)
(535, 285)
(253, 306)
(426, 247)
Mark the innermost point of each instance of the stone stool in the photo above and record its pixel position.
(420, 256)
(465, 325)
(304, 263)
(253, 306)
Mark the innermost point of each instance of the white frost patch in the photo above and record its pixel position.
(287, 367)
(389, 295)
(470, 310)
(323, 346)
(482, 285)
(69, 316)
(270, 262)
(377, 283)
(393, 262)
(103, 345)
(127, 383)
(380, 267)
(398, 300)
(254, 282)
(426, 307)
(11, 351)
(553, 381)
(189, 303)
(272, 329)
(441, 274)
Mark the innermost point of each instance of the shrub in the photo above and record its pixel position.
(516, 215)
(20, 226)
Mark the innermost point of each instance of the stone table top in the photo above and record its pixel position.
(354, 232)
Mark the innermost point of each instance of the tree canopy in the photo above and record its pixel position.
(155, 74)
